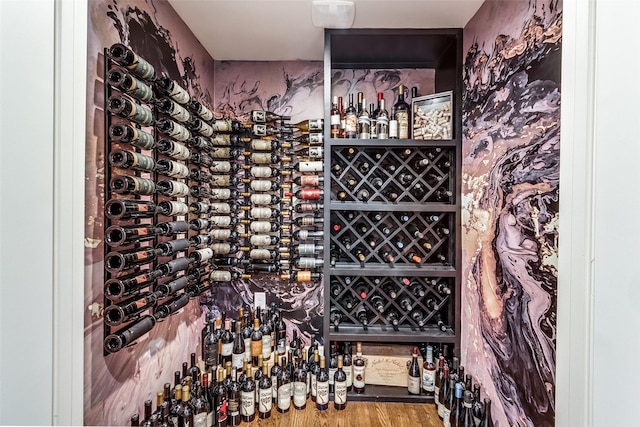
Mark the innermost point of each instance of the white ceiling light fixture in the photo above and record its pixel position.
(332, 13)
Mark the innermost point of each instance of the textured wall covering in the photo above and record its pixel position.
(117, 385)
(511, 119)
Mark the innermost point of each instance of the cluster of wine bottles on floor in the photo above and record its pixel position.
(249, 370)
(455, 396)
(304, 227)
(391, 303)
(392, 174)
(368, 121)
(391, 238)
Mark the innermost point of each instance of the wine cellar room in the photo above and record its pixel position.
(226, 183)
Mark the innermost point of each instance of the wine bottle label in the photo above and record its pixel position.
(428, 380)
(310, 166)
(284, 396)
(222, 208)
(266, 346)
(227, 349)
(209, 421)
(349, 372)
(203, 254)
(261, 213)
(178, 151)
(314, 383)
(175, 208)
(177, 170)
(351, 125)
(299, 393)
(174, 419)
(221, 140)
(247, 403)
(260, 254)
(261, 199)
(334, 120)
(441, 410)
(223, 234)
(205, 113)
(260, 240)
(393, 129)
(261, 185)
(259, 130)
(200, 420)
(304, 276)
(265, 399)
(175, 189)
(476, 420)
(220, 276)
(358, 376)
(220, 167)
(414, 385)
(322, 392)
(256, 348)
(306, 248)
(220, 221)
(258, 116)
(309, 194)
(261, 158)
(204, 129)
(274, 388)
(260, 226)
(247, 346)
(142, 185)
(140, 67)
(222, 126)
(135, 88)
(233, 407)
(436, 393)
(403, 124)
(446, 413)
(332, 374)
(141, 139)
(237, 360)
(262, 144)
(306, 221)
(221, 193)
(140, 114)
(309, 181)
(261, 172)
(315, 152)
(220, 153)
(178, 94)
(340, 395)
(179, 113)
(178, 132)
(307, 262)
(364, 128)
(316, 138)
(221, 180)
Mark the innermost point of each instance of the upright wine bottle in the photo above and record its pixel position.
(340, 386)
(335, 118)
(486, 421)
(248, 398)
(322, 384)
(265, 394)
(351, 119)
(359, 365)
(403, 115)
(363, 125)
(284, 387)
(414, 374)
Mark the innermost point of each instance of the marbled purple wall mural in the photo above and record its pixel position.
(117, 385)
(511, 120)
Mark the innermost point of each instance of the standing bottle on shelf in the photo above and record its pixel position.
(414, 374)
(429, 374)
(444, 393)
(393, 124)
(340, 386)
(265, 393)
(382, 119)
(359, 365)
(284, 387)
(351, 120)
(363, 122)
(248, 398)
(322, 387)
(486, 421)
(335, 118)
(403, 115)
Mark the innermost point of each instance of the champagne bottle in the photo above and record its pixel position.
(126, 57)
(403, 115)
(129, 84)
(116, 341)
(322, 384)
(414, 374)
(126, 108)
(172, 89)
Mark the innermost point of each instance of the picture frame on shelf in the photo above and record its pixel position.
(433, 116)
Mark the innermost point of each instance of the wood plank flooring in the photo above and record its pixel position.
(356, 414)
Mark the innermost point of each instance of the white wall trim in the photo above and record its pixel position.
(574, 376)
(69, 160)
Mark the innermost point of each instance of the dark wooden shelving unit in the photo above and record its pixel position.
(384, 217)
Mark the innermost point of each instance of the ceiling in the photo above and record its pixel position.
(281, 30)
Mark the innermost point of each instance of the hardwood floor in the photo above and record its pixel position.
(357, 414)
